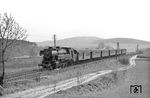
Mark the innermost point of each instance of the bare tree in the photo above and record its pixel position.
(10, 32)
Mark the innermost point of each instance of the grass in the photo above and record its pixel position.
(145, 53)
(94, 88)
(16, 65)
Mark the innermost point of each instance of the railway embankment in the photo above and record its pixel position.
(48, 77)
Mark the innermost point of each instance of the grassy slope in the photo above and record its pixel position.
(93, 88)
(21, 48)
(139, 75)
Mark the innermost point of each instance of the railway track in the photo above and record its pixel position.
(22, 75)
(37, 72)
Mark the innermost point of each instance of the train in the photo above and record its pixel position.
(61, 57)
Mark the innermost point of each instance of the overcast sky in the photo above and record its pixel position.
(70, 18)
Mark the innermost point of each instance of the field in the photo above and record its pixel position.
(51, 77)
(145, 53)
(19, 65)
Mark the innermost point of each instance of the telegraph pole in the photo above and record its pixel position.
(118, 46)
(54, 41)
(137, 48)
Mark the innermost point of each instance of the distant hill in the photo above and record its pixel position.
(76, 42)
(128, 43)
(95, 42)
(124, 41)
(23, 48)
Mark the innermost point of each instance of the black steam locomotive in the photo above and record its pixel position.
(58, 57)
(61, 57)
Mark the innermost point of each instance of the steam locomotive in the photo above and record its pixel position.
(58, 57)
(61, 57)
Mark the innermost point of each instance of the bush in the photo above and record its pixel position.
(124, 60)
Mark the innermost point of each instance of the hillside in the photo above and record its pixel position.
(76, 42)
(22, 48)
(94, 42)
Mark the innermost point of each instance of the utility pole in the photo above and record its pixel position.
(118, 46)
(137, 48)
(54, 41)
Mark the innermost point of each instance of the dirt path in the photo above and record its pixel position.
(139, 75)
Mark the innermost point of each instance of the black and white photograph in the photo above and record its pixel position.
(74, 49)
